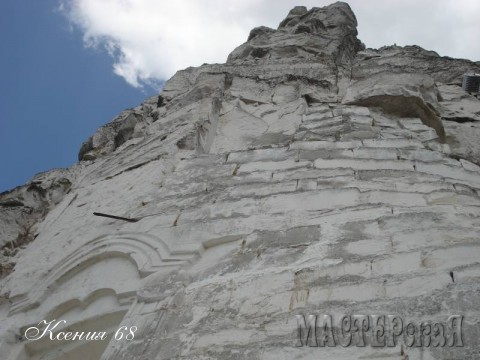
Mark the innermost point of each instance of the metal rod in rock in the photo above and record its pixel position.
(116, 217)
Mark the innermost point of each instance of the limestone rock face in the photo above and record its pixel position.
(24, 207)
(328, 32)
(306, 175)
(411, 59)
(129, 124)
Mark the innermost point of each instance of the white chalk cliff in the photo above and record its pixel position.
(306, 175)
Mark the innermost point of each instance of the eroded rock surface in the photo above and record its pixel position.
(306, 175)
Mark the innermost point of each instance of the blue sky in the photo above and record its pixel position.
(64, 73)
(54, 93)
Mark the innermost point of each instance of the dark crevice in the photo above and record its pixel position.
(228, 81)
(317, 82)
(459, 119)
(309, 99)
(460, 157)
(11, 203)
(160, 101)
(133, 167)
(370, 57)
(259, 52)
(187, 142)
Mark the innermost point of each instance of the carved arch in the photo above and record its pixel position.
(147, 252)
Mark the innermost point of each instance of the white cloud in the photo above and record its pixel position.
(151, 39)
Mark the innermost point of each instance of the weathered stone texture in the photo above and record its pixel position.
(305, 175)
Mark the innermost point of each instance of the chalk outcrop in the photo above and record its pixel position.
(306, 175)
